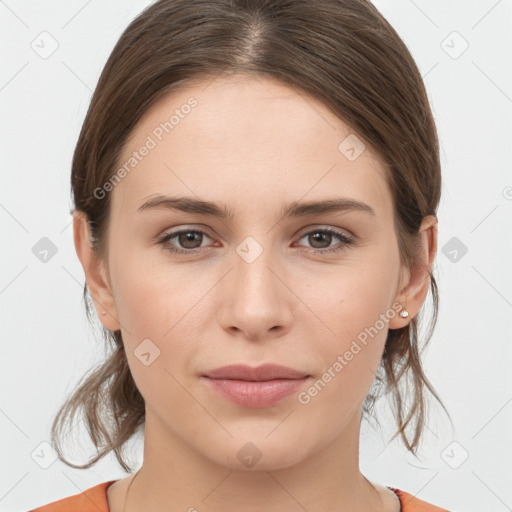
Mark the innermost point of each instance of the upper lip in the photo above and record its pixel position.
(259, 373)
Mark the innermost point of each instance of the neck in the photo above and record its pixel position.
(174, 474)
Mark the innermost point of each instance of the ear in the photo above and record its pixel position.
(412, 294)
(95, 273)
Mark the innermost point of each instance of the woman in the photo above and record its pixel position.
(256, 186)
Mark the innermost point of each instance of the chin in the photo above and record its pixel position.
(258, 454)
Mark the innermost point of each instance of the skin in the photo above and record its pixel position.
(252, 144)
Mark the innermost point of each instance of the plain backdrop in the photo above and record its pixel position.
(463, 51)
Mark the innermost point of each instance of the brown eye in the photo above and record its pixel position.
(188, 241)
(321, 240)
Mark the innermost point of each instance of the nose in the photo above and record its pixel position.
(257, 301)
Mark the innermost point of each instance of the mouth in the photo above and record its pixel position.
(264, 372)
(255, 387)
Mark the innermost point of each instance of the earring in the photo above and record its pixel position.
(404, 313)
(104, 313)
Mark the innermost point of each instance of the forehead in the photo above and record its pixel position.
(246, 140)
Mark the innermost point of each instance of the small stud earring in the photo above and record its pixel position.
(404, 313)
(104, 313)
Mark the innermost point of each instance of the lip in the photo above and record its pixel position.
(259, 373)
(258, 387)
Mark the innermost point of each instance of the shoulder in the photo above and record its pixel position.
(410, 503)
(93, 499)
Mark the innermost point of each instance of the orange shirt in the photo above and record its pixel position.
(95, 500)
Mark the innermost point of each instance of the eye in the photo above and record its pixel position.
(188, 238)
(324, 237)
(191, 240)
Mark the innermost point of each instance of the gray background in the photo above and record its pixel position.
(47, 343)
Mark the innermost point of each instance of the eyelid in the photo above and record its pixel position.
(320, 227)
(184, 227)
(345, 237)
(173, 232)
(303, 231)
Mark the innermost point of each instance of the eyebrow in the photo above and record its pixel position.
(293, 209)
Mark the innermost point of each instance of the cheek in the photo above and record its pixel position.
(353, 314)
(162, 302)
(151, 294)
(351, 296)
(153, 304)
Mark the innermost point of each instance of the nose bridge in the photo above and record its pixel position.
(254, 300)
(252, 272)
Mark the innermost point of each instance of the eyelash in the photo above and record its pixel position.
(346, 240)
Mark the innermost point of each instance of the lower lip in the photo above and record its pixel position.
(255, 394)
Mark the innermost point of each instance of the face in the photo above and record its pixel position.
(310, 290)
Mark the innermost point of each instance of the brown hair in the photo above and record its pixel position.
(342, 52)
